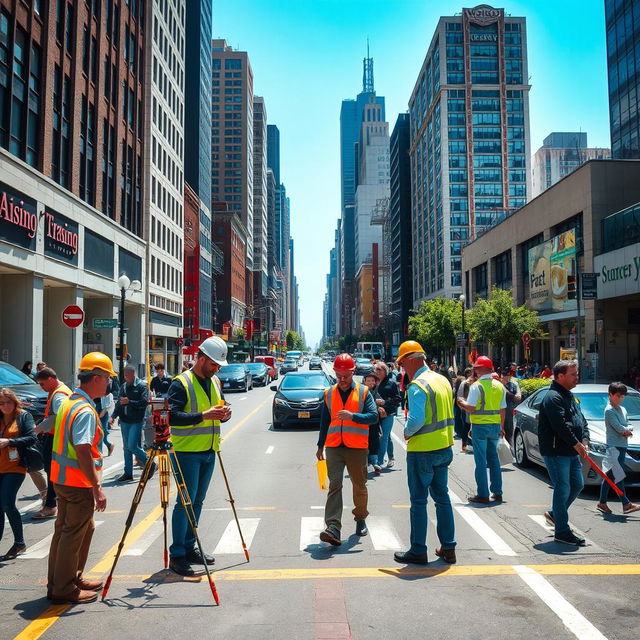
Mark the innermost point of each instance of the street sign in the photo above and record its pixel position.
(572, 340)
(72, 316)
(526, 339)
(105, 323)
(462, 339)
(179, 342)
(589, 286)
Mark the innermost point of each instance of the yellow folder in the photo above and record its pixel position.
(323, 475)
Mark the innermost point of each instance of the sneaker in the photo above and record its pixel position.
(361, 528)
(570, 538)
(390, 463)
(630, 507)
(125, 477)
(15, 551)
(549, 518)
(332, 536)
(603, 507)
(369, 468)
(377, 469)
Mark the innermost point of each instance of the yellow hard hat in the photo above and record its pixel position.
(407, 348)
(96, 360)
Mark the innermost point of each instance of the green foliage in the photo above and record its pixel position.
(435, 324)
(529, 385)
(294, 341)
(347, 344)
(498, 322)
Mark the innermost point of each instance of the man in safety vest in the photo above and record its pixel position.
(347, 412)
(428, 431)
(75, 471)
(58, 392)
(486, 405)
(197, 408)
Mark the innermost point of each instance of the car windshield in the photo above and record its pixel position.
(593, 404)
(11, 376)
(363, 361)
(312, 381)
(232, 368)
(257, 366)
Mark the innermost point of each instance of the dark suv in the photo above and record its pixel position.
(33, 398)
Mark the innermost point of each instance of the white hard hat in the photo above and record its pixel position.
(215, 348)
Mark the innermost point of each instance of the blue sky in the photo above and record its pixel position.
(307, 57)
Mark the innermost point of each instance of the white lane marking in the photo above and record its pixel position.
(316, 507)
(147, 539)
(383, 534)
(402, 443)
(40, 550)
(310, 529)
(482, 528)
(230, 541)
(270, 449)
(542, 521)
(572, 619)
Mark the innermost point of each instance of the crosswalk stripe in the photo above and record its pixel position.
(230, 541)
(310, 529)
(542, 521)
(40, 550)
(383, 534)
(146, 540)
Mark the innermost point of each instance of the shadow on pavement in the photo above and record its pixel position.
(325, 551)
(557, 548)
(416, 573)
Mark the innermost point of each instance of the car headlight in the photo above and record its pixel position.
(598, 447)
(281, 402)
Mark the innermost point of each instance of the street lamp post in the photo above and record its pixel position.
(124, 283)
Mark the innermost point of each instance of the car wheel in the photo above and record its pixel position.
(522, 459)
(276, 424)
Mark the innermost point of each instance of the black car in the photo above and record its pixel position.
(298, 398)
(363, 367)
(259, 373)
(315, 363)
(290, 364)
(32, 397)
(235, 376)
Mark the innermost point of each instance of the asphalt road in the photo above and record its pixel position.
(511, 579)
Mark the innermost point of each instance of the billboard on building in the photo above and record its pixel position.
(552, 274)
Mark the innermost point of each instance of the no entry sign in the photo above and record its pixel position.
(72, 316)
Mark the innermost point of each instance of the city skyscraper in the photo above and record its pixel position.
(470, 148)
(260, 257)
(622, 19)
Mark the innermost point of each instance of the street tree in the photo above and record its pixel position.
(294, 341)
(497, 321)
(435, 324)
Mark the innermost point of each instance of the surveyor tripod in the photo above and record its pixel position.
(163, 452)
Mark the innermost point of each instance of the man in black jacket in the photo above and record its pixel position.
(563, 437)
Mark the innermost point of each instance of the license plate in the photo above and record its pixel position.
(226, 385)
(304, 414)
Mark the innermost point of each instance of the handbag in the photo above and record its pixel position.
(32, 457)
(504, 453)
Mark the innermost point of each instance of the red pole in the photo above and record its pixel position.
(598, 470)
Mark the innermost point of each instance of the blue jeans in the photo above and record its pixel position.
(428, 473)
(131, 433)
(197, 469)
(485, 452)
(104, 423)
(9, 485)
(386, 442)
(566, 477)
(605, 488)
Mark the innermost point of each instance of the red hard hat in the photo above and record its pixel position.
(344, 362)
(483, 361)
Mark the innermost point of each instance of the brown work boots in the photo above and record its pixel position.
(85, 591)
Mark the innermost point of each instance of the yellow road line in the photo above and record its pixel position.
(42, 622)
(234, 429)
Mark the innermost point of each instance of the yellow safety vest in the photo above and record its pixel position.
(490, 397)
(437, 432)
(205, 435)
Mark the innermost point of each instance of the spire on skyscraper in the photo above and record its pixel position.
(367, 73)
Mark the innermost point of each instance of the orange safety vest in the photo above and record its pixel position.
(65, 468)
(346, 432)
(61, 388)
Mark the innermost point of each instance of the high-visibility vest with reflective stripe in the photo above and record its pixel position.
(437, 431)
(490, 397)
(204, 435)
(61, 388)
(65, 468)
(346, 432)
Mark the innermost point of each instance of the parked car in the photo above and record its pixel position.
(593, 399)
(271, 362)
(290, 364)
(315, 363)
(363, 367)
(32, 397)
(298, 398)
(259, 373)
(235, 376)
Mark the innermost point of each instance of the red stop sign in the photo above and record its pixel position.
(72, 316)
(179, 342)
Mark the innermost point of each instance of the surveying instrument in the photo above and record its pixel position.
(162, 450)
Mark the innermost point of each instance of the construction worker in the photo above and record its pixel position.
(197, 408)
(58, 392)
(429, 435)
(75, 471)
(486, 405)
(347, 413)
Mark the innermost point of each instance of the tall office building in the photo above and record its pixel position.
(560, 154)
(469, 140)
(232, 134)
(164, 175)
(623, 61)
(260, 231)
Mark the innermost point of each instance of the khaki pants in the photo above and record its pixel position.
(355, 460)
(71, 538)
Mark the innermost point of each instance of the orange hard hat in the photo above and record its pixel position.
(484, 362)
(344, 362)
(96, 360)
(407, 348)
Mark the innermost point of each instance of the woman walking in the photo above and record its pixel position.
(390, 393)
(16, 433)
(463, 392)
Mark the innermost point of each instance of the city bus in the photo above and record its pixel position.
(297, 355)
(369, 350)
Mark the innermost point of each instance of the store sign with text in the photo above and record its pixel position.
(60, 237)
(618, 272)
(18, 218)
(552, 274)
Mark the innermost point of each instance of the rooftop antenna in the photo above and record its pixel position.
(367, 73)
